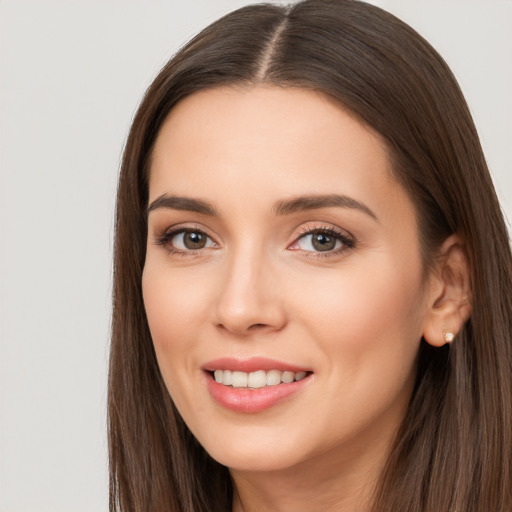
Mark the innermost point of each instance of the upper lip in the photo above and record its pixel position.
(252, 364)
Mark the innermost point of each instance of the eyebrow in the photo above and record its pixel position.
(315, 202)
(181, 203)
(285, 207)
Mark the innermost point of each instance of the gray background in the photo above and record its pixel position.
(71, 75)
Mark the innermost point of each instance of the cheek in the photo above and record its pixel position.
(173, 310)
(172, 314)
(173, 303)
(368, 328)
(365, 318)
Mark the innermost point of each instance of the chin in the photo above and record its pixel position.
(251, 459)
(260, 448)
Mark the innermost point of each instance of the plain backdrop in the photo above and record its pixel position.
(71, 75)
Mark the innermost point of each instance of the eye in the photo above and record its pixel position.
(186, 240)
(322, 240)
(318, 241)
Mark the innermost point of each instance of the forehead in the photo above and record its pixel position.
(269, 142)
(263, 115)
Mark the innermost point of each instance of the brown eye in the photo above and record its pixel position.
(194, 240)
(323, 242)
(187, 240)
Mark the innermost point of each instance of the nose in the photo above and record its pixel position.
(250, 297)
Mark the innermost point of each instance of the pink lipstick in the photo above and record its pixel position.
(254, 384)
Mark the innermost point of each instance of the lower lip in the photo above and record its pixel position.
(253, 400)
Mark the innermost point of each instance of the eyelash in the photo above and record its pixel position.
(170, 233)
(348, 241)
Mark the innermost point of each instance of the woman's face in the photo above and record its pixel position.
(280, 247)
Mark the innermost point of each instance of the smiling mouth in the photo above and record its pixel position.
(256, 380)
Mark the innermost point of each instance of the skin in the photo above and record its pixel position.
(354, 315)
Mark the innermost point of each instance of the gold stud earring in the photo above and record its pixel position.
(448, 336)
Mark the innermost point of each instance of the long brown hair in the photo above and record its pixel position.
(454, 449)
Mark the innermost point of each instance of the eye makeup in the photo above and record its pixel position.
(312, 240)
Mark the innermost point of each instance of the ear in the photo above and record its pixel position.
(449, 294)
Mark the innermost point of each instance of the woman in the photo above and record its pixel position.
(312, 276)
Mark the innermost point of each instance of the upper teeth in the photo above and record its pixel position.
(257, 379)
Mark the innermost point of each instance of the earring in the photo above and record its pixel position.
(448, 336)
